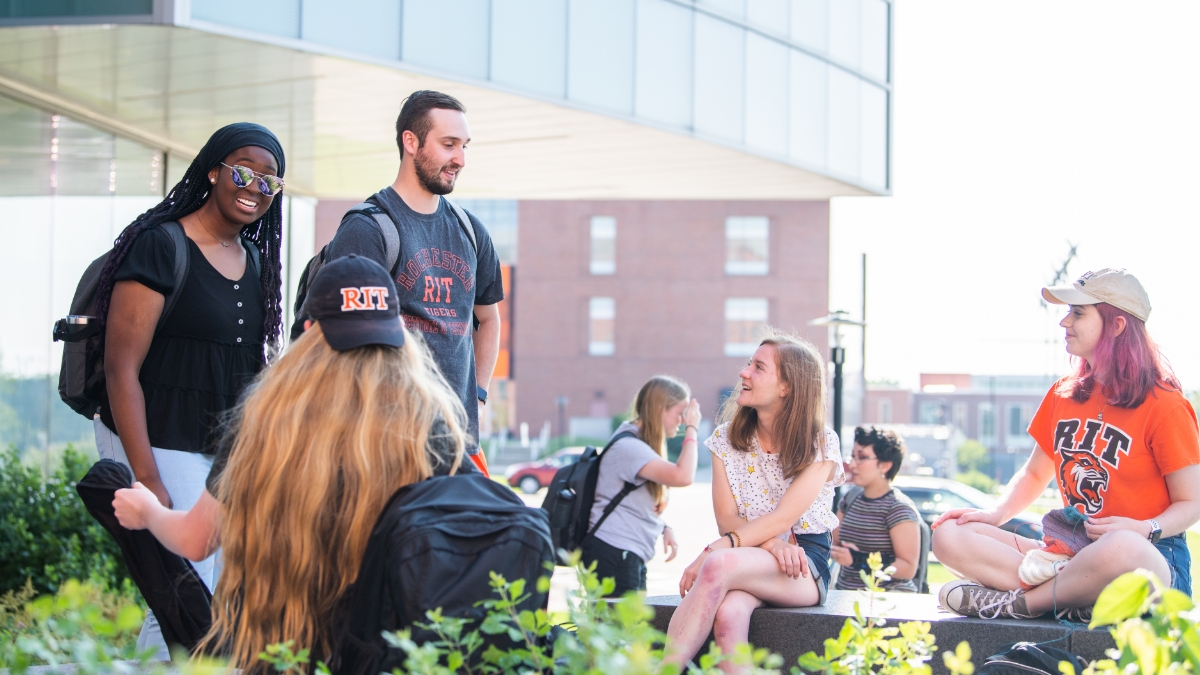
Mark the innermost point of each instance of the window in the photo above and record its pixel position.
(987, 424)
(601, 312)
(885, 411)
(746, 244)
(958, 415)
(744, 318)
(1019, 415)
(930, 412)
(604, 245)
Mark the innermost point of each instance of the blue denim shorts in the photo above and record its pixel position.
(816, 549)
(1179, 559)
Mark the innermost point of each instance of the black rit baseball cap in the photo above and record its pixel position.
(354, 300)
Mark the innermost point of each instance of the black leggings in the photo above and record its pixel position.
(624, 567)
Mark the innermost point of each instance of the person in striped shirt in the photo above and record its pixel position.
(879, 518)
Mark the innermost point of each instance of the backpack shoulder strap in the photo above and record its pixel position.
(629, 487)
(465, 222)
(179, 239)
(852, 496)
(387, 227)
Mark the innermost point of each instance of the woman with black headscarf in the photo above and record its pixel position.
(168, 384)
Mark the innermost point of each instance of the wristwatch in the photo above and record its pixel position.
(1155, 531)
(481, 393)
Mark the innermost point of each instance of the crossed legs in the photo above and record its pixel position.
(730, 585)
(990, 556)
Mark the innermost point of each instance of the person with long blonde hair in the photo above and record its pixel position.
(354, 410)
(775, 467)
(621, 543)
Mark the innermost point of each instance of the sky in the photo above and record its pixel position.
(1020, 126)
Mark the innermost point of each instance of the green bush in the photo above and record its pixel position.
(1154, 627)
(973, 456)
(46, 534)
(977, 480)
(81, 624)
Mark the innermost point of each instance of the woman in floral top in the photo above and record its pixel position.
(775, 468)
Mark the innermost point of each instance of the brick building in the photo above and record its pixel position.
(609, 293)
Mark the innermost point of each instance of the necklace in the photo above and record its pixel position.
(211, 234)
(1100, 415)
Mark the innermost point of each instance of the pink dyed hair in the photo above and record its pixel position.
(1127, 366)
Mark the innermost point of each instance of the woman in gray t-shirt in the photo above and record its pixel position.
(625, 540)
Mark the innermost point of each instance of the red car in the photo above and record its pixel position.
(533, 476)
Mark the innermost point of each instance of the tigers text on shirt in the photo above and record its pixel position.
(1116, 466)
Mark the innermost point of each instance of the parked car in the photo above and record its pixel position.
(533, 476)
(935, 496)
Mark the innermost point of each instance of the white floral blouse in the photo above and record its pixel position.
(758, 483)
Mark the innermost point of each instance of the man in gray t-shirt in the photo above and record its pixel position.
(444, 283)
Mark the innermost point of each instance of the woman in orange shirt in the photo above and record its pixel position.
(1121, 442)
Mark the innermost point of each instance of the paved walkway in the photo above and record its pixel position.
(689, 513)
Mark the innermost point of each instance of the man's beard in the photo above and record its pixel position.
(431, 175)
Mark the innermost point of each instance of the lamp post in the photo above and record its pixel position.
(836, 320)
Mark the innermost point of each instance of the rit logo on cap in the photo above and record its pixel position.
(364, 298)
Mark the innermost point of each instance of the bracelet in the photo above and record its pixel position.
(734, 533)
(731, 544)
(691, 426)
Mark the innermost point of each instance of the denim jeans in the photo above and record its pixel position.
(183, 474)
(1179, 558)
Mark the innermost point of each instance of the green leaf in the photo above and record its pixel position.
(1122, 599)
(1173, 602)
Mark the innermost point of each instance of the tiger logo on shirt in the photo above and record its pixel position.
(1083, 479)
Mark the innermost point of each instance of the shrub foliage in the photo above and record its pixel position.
(46, 534)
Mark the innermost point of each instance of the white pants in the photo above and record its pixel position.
(183, 474)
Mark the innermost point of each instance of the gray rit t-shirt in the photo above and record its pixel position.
(633, 525)
(439, 280)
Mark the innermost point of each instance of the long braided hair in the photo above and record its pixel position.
(189, 195)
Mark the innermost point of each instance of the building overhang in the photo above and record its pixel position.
(170, 86)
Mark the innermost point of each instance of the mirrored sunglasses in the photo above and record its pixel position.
(267, 184)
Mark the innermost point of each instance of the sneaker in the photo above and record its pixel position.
(970, 599)
(1076, 614)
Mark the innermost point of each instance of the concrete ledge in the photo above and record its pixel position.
(792, 632)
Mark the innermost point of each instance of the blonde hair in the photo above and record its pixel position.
(323, 440)
(656, 396)
(800, 428)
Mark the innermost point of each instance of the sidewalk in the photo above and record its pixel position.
(689, 513)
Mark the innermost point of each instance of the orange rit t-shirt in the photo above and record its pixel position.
(1115, 466)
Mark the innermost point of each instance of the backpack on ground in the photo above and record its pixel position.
(1030, 658)
(921, 578)
(81, 383)
(391, 250)
(435, 545)
(571, 495)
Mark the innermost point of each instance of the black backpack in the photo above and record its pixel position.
(571, 495)
(81, 382)
(1030, 658)
(435, 545)
(391, 250)
(920, 579)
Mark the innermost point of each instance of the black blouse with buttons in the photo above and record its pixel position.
(208, 350)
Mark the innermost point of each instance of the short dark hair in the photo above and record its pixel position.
(887, 445)
(414, 114)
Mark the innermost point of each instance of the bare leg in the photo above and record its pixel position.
(731, 626)
(982, 553)
(1089, 572)
(752, 570)
(990, 556)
